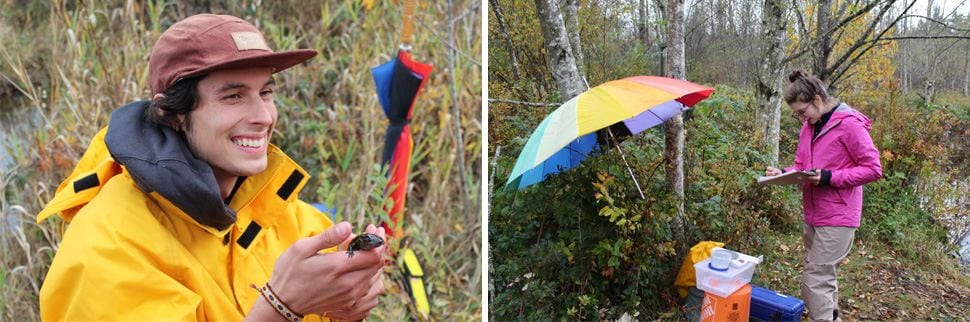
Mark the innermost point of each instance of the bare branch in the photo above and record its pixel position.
(803, 29)
(459, 136)
(538, 104)
(921, 37)
(839, 72)
(504, 28)
(471, 9)
(837, 68)
(860, 12)
(450, 45)
(936, 21)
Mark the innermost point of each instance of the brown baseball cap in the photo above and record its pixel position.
(205, 43)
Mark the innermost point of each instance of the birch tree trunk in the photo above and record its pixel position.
(771, 75)
(559, 54)
(966, 74)
(570, 12)
(674, 127)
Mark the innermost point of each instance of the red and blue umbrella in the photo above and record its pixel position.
(398, 83)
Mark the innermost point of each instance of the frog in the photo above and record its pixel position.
(364, 241)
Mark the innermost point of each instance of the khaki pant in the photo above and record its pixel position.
(826, 247)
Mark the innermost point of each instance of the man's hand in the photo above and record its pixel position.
(361, 308)
(330, 284)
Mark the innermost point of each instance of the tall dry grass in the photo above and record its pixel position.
(65, 66)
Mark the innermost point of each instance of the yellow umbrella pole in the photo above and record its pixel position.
(407, 24)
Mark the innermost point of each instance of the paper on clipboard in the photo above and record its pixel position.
(792, 177)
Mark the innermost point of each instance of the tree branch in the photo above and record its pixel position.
(854, 15)
(861, 40)
(538, 104)
(471, 9)
(805, 32)
(503, 27)
(936, 21)
(450, 45)
(921, 37)
(802, 30)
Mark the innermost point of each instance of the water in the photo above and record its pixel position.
(954, 205)
(5, 159)
(17, 121)
(9, 107)
(964, 252)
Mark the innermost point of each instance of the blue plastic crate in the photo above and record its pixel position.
(768, 305)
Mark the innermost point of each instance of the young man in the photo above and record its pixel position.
(181, 209)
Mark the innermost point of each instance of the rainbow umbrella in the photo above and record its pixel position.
(568, 135)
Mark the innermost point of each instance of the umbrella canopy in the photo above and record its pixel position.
(567, 135)
(398, 83)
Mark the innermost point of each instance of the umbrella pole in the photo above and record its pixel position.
(617, 145)
(628, 169)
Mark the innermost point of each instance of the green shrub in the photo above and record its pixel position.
(584, 245)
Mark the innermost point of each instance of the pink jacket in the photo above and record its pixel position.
(845, 148)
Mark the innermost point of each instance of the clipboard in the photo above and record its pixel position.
(791, 177)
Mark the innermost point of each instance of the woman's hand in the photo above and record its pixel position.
(772, 171)
(310, 282)
(815, 179)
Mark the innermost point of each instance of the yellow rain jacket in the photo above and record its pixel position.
(134, 256)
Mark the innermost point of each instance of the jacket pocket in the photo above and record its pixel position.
(839, 197)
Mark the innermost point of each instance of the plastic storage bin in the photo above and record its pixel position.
(723, 283)
(768, 305)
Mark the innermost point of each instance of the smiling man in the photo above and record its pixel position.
(181, 209)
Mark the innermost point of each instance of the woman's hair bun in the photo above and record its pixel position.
(795, 75)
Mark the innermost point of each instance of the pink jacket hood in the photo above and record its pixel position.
(844, 147)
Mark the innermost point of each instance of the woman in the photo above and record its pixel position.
(835, 141)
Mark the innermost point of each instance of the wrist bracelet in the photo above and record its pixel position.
(277, 304)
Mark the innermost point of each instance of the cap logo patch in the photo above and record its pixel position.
(249, 40)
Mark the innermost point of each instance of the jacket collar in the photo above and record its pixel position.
(841, 112)
(267, 192)
(159, 160)
(259, 198)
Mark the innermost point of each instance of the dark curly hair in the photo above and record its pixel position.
(179, 99)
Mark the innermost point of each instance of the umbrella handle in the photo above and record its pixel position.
(407, 21)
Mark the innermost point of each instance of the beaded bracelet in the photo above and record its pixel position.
(277, 304)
